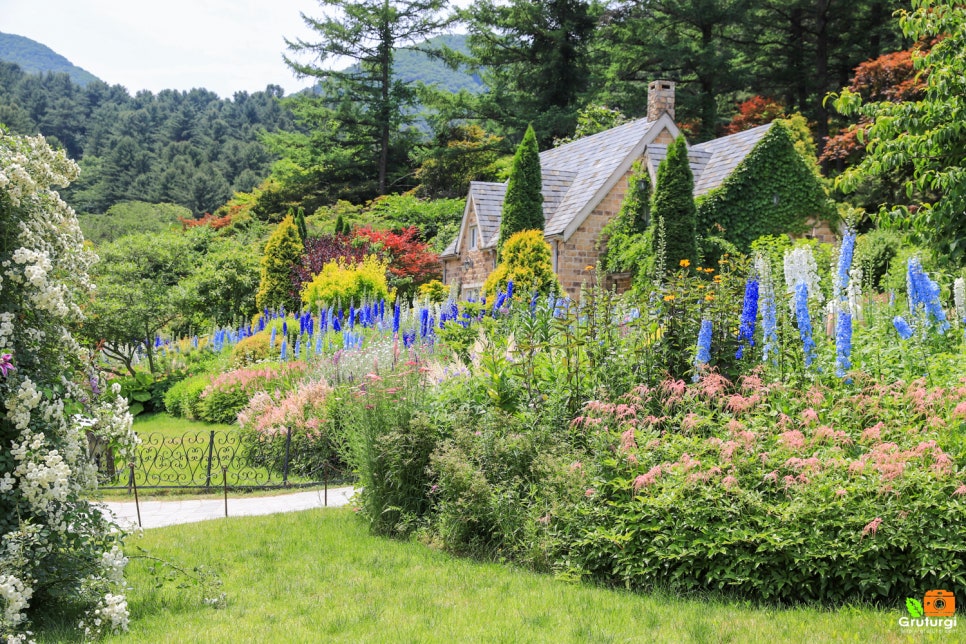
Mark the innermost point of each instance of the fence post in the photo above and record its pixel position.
(288, 446)
(211, 449)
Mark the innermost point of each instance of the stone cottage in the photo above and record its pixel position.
(583, 186)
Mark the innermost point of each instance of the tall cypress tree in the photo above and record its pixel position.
(674, 203)
(283, 249)
(523, 204)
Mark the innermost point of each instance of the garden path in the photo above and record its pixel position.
(155, 514)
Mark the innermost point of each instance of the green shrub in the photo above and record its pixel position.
(254, 348)
(673, 203)
(874, 252)
(183, 398)
(342, 283)
(525, 259)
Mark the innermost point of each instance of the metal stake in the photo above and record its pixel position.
(224, 481)
(137, 504)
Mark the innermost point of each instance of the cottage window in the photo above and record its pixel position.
(473, 238)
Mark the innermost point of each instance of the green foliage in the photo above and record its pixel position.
(434, 291)
(140, 281)
(183, 399)
(525, 260)
(228, 393)
(523, 204)
(340, 283)
(131, 217)
(438, 220)
(772, 191)
(460, 154)
(772, 247)
(593, 119)
(136, 389)
(254, 348)
(924, 134)
(875, 252)
(223, 286)
(674, 203)
(628, 248)
(282, 251)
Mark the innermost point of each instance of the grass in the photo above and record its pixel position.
(319, 576)
(171, 427)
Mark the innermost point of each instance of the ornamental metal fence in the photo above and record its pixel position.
(218, 459)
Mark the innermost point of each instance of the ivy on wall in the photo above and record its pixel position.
(771, 192)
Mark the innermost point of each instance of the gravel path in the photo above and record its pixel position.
(155, 514)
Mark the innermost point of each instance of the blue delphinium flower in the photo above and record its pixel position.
(298, 347)
(352, 317)
(924, 292)
(843, 342)
(409, 338)
(318, 344)
(804, 322)
(395, 319)
(284, 355)
(509, 290)
(533, 302)
(271, 343)
(749, 312)
(336, 324)
(500, 299)
(905, 331)
(703, 356)
(845, 261)
(423, 322)
(285, 328)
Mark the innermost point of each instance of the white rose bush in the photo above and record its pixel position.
(58, 554)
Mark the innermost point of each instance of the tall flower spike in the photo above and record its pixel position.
(925, 293)
(769, 312)
(749, 313)
(703, 355)
(902, 327)
(804, 322)
(846, 252)
(843, 342)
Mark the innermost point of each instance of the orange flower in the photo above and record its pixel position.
(709, 297)
(685, 263)
(588, 268)
(669, 297)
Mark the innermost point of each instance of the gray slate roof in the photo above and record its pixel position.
(712, 161)
(576, 174)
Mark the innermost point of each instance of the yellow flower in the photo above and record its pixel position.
(668, 297)
(588, 268)
(717, 278)
(700, 285)
(685, 263)
(709, 270)
(709, 297)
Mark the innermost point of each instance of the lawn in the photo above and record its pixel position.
(171, 427)
(320, 576)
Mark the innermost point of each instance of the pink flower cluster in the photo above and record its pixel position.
(300, 410)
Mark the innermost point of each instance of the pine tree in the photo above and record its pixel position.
(282, 251)
(523, 204)
(339, 225)
(674, 203)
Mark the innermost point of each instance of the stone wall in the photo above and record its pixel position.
(471, 267)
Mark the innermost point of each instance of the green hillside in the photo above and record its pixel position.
(35, 58)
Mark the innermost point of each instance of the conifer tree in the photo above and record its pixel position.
(674, 203)
(523, 204)
(300, 224)
(339, 225)
(282, 251)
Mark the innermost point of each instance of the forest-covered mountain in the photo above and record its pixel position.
(189, 148)
(36, 58)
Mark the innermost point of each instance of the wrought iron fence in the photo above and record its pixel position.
(216, 459)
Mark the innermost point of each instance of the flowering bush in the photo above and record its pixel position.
(228, 393)
(57, 552)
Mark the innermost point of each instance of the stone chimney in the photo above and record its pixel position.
(660, 99)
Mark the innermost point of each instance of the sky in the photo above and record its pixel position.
(224, 46)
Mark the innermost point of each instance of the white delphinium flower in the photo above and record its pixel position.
(959, 297)
(800, 267)
(854, 292)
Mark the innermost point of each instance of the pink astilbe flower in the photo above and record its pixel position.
(738, 404)
(590, 492)
(623, 411)
(734, 426)
(648, 479)
(729, 482)
(674, 390)
(576, 466)
(687, 463)
(960, 491)
(627, 440)
(690, 421)
(751, 382)
(960, 410)
(822, 434)
(873, 433)
(772, 476)
(872, 527)
(713, 384)
(815, 396)
(632, 459)
(792, 439)
(809, 416)
(840, 492)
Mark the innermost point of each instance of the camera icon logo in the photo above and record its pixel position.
(939, 603)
